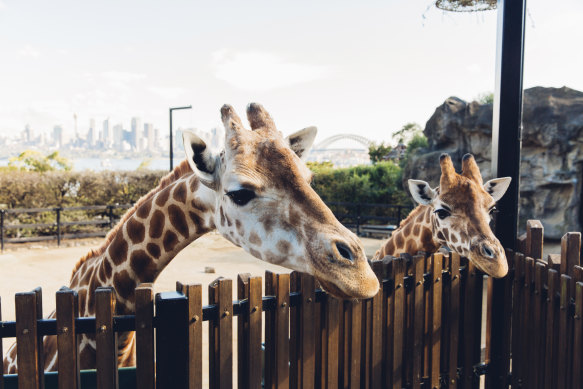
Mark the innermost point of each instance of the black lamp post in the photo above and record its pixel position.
(171, 146)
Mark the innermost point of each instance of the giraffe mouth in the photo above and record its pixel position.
(335, 291)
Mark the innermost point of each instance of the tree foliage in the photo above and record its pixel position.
(407, 132)
(485, 98)
(378, 152)
(34, 161)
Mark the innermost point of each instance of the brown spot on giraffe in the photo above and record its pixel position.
(193, 185)
(136, 230)
(144, 209)
(87, 358)
(453, 238)
(399, 241)
(254, 239)
(170, 240)
(222, 216)
(180, 193)
(124, 285)
(283, 246)
(106, 267)
(118, 250)
(416, 230)
(163, 196)
(157, 224)
(239, 227)
(154, 250)
(256, 253)
(178, 220)
(143, 266)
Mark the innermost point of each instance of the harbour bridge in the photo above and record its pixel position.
(335, 138)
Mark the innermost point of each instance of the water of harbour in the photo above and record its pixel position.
(99, 164)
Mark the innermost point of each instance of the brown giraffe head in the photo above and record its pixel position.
(265, 204)
(463, 206)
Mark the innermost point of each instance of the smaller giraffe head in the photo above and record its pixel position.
(463, 206)
(264, 203)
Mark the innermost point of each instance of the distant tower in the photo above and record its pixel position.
(135, 130)
(106, 135)
(91, 134)
(58, 136)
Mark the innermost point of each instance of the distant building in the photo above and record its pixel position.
(92, 133)
(136, 127)
(58, 136)
(150, 136)
(106, 138)
(118, 137)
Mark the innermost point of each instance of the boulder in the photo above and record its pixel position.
(551, 157)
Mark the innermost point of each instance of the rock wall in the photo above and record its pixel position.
(551, 158)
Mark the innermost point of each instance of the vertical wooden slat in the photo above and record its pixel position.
(472, 324)
(539, 323)
(105, 338)
(534, 239)
(145, 369)
(517, 318)
(551, 347)
(355, 343)
(427, 319)
(388, 321)
(333, 309)
(1, 352)
(307, 331)
(26, 339)
(270, 290)
(454, 319)
(41, 355)
(225, 333)
(345, 343)
(294, 348)
(399, 322)
(408, 357)
(418, 316)
(249, 332)
(376, 351)
(436, 290)
(365, 345)
(565, 331)
(578, 338)
(68, 350)
(570, 252)
(526, 332)
(194, 295)
(281, 329)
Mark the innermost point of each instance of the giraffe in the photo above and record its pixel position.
(256, 193)
(456, 215)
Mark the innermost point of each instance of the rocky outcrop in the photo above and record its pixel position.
(551, 157)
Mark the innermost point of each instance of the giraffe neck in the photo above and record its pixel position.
(146, 242)
(416, 233)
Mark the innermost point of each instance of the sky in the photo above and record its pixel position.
(363, 67)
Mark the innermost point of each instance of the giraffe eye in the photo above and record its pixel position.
(241, 196)
(442, 213)
(493, 210)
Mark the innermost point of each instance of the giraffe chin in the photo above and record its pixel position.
(498, 269)
(335, 291)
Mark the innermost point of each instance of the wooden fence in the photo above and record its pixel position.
(423, 330)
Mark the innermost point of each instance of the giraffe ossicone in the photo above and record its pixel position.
(455, 215)
(256, 192)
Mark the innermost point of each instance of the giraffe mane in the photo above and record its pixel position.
(182, 169)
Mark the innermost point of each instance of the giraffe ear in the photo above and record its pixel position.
(200, 159)
(301, 142)
(421, 192)
(497, 187)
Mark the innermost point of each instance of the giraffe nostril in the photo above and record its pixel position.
(344, 251)
(487, 251)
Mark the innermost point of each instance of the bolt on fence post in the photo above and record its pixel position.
(58, 210)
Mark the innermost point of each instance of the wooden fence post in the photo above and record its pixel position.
(105, 339)
(552, 334)
(249, 332)
(578, 338)
(194, 295)
(454, 320)
(67, 341)
(171, 340)
(534, 239)
(145, 366)
(277, 347)
(221, 342)
(27, 340)
(399, 326)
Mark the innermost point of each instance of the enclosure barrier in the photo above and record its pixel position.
(423, 329)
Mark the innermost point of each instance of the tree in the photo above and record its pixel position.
(407, 132)
(485, 98)
(378, 152)
(34, 161)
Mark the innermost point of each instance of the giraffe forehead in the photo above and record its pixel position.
(466, 196)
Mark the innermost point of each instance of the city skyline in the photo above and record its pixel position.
(341, 66)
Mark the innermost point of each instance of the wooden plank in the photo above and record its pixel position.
(565, 334)
(418, 319)
(552, 335)
(307, 331)
(225, 333)
(376, 330)
(578, 338)
(436, 301)
(526, 333)
(539, 323)
(67, 310)
(194, 294)
(521, 244)
(554, 262)
(145, 368)
(454, 320)
(1, 351)
(39, 339)
(408, 357)
(399, 322)
(345, 343)
(105, 338)
(332, 340)
(388, 322)
(26, 339)
(242, 332)
(427, 319)
(534, 239)
(355, 343)
(270, 341)
(472, 324)
(249, 332)
(281, 328)
(570, 252)
(365, 344)
(294, 348)
(517, 318)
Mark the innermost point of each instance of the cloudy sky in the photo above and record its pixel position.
(344, 66)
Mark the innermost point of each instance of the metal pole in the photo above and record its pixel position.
(506, 143)
(171, 146)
